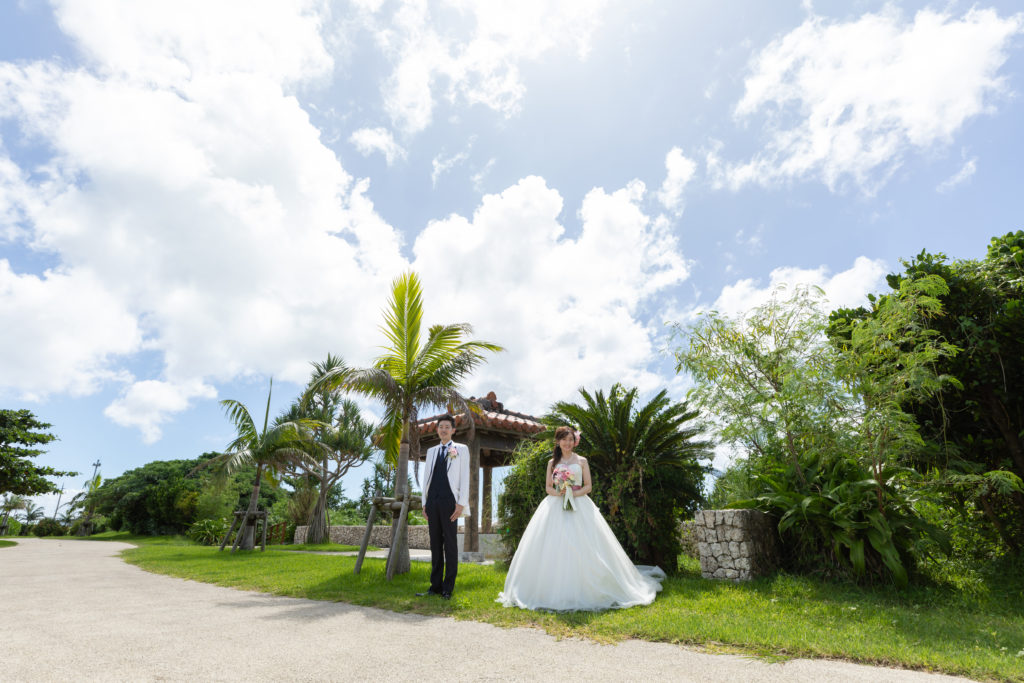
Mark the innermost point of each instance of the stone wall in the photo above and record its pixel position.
(419, 538)
(736, 544)
(380, 536)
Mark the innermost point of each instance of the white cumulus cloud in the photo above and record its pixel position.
(846, 289)
(679, 172)
(479, 65)
(370, 140)
(569, 310)
(850, 100)
(149, 403)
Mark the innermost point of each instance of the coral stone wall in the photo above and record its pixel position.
(736, 544)
(380, 537)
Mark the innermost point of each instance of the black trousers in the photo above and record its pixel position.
(444, 551)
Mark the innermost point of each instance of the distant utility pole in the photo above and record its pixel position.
(95, 466)
(57, 509)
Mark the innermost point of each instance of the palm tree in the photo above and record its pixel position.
(9, 504)
(30, 514)
(270, 450)
(650, 462)
(411, 374)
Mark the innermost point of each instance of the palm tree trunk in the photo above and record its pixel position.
(248, 529)
(319, 530)
(399, 553)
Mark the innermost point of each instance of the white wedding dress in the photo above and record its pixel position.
(569, 560)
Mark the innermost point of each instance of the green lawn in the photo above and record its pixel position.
(8, 544)
(979, 635)
(322, 547)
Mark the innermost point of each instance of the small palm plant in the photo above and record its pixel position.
(270, 449)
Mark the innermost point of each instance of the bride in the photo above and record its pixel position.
(568, 558)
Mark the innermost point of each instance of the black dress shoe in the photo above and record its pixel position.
(429, 591)
(446, 596)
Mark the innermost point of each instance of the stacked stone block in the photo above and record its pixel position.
(738, 545)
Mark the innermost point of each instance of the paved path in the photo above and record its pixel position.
(72, 610)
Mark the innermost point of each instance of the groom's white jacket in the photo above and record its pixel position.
(458, 474)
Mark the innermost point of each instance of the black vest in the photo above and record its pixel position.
(440, 490)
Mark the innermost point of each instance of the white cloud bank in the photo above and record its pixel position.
(850, 100)
(196, 214)
(567, 310)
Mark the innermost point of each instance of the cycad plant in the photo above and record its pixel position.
(647, 463)
(410, 375)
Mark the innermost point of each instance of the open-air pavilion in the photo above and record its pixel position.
(497, 433)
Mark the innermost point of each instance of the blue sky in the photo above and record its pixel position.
(194, 199)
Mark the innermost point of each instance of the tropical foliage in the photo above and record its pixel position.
(822, 426)
(972, 431)
(409, 376)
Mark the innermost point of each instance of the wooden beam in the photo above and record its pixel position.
(471, 542)
(485, 526)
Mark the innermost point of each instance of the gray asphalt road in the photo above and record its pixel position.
(72, 610)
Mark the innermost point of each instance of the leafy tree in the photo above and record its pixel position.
(647, 463)
(271, 450)
(411, 374)
(343, 436)
(822, 426)
(156, 498)
(972, 429)
(20, 433)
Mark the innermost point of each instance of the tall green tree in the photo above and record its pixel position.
(972, 430)
(20, 435)
(271, 449)
(648, 464)
(411, 374)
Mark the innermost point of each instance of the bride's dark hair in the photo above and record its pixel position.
(560, 434)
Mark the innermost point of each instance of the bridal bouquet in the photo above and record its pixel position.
(564, 481)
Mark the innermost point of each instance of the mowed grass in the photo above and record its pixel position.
(937, 629)
(7, 544)
(322, 547)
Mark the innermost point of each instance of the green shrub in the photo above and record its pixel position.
(523, 491)
(208, 531)
(13, 527)
(81, 527)
(49, 527)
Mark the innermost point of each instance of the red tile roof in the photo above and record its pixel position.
(493, 416)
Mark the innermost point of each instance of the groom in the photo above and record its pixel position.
(445, 499)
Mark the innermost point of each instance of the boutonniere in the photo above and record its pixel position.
(453, 453)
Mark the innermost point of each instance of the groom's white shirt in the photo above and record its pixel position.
(458, 474)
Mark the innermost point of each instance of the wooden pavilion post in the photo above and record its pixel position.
(471, 544)
(485, 507)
